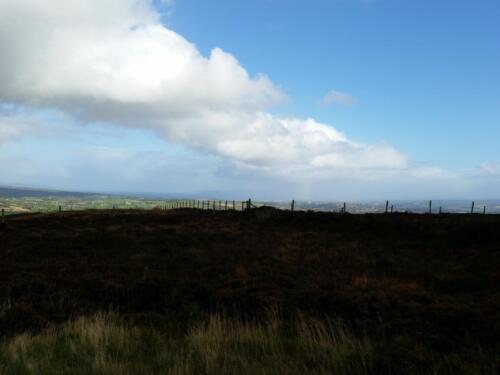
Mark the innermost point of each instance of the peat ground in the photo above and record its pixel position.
(433, 280)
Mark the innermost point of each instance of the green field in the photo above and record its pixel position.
(52, 204)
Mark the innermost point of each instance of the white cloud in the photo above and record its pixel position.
(338, 97)
(492, 169)
(112, 61)
(13, 127)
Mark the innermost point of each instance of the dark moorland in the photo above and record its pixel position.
(422, 285)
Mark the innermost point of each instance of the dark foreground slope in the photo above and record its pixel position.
(433, 281)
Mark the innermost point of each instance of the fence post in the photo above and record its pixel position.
(60, 209)
(242, 205)
(484, 210)
(440, 210)
(472, 208)
(214, 205)
(249, 204)
(234, 206)
(386, 206)
(220, 205)
(392, 208)
(225, 206)
(344, 208)
(293, 205)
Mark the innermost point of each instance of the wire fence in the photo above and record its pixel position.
(387, 207)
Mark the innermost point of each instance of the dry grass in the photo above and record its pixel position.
(103, 345)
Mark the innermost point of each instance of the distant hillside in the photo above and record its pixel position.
(19, 192)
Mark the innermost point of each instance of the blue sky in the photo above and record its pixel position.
(426, 73)
(411, 87)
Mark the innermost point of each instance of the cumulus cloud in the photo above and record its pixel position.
(112, 61)
(338, 97)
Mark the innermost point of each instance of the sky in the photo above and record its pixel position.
(269, 99)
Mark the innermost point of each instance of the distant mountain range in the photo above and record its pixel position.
(7, 191)
(20, 192)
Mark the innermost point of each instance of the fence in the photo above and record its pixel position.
(225, 205)
(213, 205)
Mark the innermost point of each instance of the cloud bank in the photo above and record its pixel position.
(112, 61)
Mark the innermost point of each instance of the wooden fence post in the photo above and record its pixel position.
(472, 208)
(220, 205)
(484, 210)
(430, 207)
(214, 205)
(242, 206)
(392, 208)
(60, 209)
(344, 208)
(225, 206)
(440, 210)
(386, 206)
(293, 205)
(234, 205)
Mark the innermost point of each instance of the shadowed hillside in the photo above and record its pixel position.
(423, 285)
